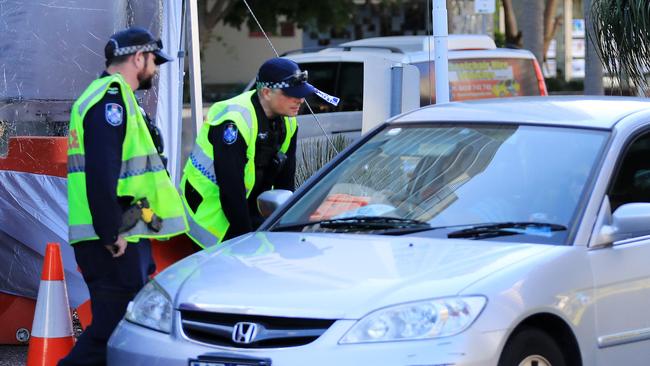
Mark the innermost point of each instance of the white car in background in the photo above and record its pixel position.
(377, 78)
(509, 232)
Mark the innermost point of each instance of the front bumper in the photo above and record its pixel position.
(132, 344)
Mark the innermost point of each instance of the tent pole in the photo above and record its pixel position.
(196, 93)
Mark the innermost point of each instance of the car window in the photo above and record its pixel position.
(340, 79)
(481, 78)
(454, 175)
(632, 180)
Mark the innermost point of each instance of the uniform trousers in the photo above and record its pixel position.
(112, 283)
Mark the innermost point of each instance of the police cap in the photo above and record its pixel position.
(132, 40)
(285, 74)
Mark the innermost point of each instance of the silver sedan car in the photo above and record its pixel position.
(505, 232)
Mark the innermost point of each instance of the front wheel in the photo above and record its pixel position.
(531, 347)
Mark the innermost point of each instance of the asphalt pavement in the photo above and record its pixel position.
(13, 355)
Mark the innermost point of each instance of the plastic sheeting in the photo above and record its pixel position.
(34, 212)
(50, 51)
(53, 49)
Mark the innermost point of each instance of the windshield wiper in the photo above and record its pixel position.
(374, 222)
(387, 225)
(506, 228)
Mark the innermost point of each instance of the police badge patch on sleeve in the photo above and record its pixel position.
(113, 114)
(230, 134)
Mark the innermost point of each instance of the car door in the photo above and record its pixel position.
(622, 271)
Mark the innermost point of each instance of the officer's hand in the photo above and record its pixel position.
(117, 248)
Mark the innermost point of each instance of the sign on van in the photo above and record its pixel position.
(483, 78)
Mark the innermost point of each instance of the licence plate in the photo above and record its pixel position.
(228, 361)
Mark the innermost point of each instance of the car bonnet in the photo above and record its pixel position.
(333, 276)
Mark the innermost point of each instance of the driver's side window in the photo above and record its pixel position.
(632, 180)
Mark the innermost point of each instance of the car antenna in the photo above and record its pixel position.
(329, 140)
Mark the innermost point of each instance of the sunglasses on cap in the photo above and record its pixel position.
(298, 78)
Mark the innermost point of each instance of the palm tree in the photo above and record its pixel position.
(539, 25)
(593, 67)
(531, 15)
(621, 30)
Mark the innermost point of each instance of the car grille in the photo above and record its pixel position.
(271, 332)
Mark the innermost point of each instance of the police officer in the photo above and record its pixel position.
(246, 146)
(113, 166)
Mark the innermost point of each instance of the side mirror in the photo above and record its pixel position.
(268, 201)
(628, 221)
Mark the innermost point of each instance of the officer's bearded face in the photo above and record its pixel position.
(146, 75)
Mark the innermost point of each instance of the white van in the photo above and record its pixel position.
(377, 78)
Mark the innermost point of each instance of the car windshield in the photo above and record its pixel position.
(501, 179)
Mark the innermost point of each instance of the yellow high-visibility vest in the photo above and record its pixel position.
(208, 225)
(142, 174)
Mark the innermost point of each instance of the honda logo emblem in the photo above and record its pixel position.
(244, 332)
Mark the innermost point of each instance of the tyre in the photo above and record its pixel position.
(532, 347)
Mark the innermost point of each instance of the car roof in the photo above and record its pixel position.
(409, 49)
(423, 43)
(359, 55)
(577, 111)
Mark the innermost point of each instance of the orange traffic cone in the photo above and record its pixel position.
(52, 337)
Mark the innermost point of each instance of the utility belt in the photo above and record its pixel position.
(140, 210)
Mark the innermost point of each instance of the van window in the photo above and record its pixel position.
(340, 79)
(481, 78)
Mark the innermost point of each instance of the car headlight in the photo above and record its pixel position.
(417, 320)
(151, 308)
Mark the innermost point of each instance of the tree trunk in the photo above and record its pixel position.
(513, 35)
(593, 67)
(551, 23)
(210, 14)
(532, 18)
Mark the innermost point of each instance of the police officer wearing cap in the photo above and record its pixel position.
(113, 166)
(246, 146)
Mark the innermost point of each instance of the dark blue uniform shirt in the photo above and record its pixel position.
(103, 146)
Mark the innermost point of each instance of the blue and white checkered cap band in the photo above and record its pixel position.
(273, 85)
(133, 49)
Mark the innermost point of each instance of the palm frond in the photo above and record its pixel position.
(621, 30)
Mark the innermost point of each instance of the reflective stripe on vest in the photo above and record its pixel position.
(83, 105)
(169, 226)
(76, 163)
(139, 165)
(135, 166)
(236, 108)
(86, 232)
(202, 162)
(199, 234)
